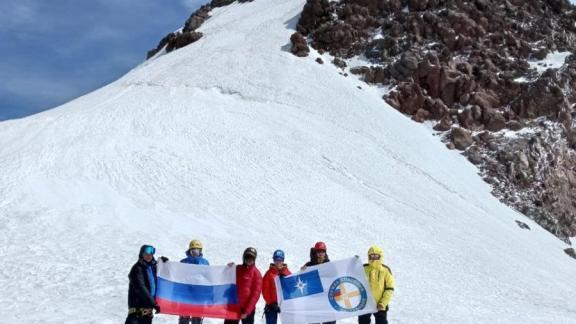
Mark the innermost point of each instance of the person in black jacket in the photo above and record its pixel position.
(142, 289)
(318, 256)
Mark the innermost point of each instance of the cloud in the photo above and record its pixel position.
(17, 13)
(54, 51)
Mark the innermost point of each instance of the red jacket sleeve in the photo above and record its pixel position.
(267, 286)
(256, 291)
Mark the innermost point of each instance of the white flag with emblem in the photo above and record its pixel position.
(326, 292)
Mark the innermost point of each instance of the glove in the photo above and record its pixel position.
(272, 308)
(157, 308)
(164, 259)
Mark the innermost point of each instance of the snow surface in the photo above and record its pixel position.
(554, 60)
(237, 142)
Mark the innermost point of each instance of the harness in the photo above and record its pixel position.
(141, 312)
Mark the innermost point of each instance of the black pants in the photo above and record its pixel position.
(137, 319)
(381, 318)
(247, 320)
(189, 320)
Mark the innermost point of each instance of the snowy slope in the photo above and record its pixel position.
(235, 141)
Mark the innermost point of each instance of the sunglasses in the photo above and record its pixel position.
(374, 257)
(149, 250)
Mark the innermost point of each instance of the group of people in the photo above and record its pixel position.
(250, 284)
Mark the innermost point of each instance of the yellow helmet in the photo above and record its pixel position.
(195, 244)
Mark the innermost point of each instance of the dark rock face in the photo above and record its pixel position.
(339, 63)
(466, 65)
(571, 252)
(163, 42)
(197, 18)
(221, 3)
(189, 35)
(299, 45)
(522, 225)
(534, 172)
(182, 39)
(461, 138)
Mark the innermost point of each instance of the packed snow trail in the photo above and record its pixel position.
(235, 141)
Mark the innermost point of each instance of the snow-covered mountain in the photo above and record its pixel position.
(237, 142)
(497, 79)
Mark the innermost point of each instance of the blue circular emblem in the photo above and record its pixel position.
(347, 294)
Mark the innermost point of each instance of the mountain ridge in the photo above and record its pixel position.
(173, 151)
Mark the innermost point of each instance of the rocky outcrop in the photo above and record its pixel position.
(469, 67)
(461, 138)
(523, 225)
(534, 172)
(299, 45)
(220, 3)
(571, 252)
(189, 33)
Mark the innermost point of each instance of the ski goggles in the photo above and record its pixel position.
(149, 250)
(374, 256)
(195, 251)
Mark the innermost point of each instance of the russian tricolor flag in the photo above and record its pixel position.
(197, 290)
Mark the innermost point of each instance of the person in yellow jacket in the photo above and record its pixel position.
(381, 284)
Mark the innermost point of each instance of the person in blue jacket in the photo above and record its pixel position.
(193, 256)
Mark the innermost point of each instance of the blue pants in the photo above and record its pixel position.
(271, 317)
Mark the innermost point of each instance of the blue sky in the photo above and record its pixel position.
(52, 51)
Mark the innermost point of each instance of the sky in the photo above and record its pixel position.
(52, 51)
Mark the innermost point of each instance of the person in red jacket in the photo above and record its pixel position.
(248, 286)
(278, 268)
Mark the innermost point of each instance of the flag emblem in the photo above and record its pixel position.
(347, 294)
(302, 285)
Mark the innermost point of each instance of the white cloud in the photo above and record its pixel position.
(17, 13)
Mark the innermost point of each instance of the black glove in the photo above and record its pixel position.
(164, 259)
(157, 308)
(274, 307)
